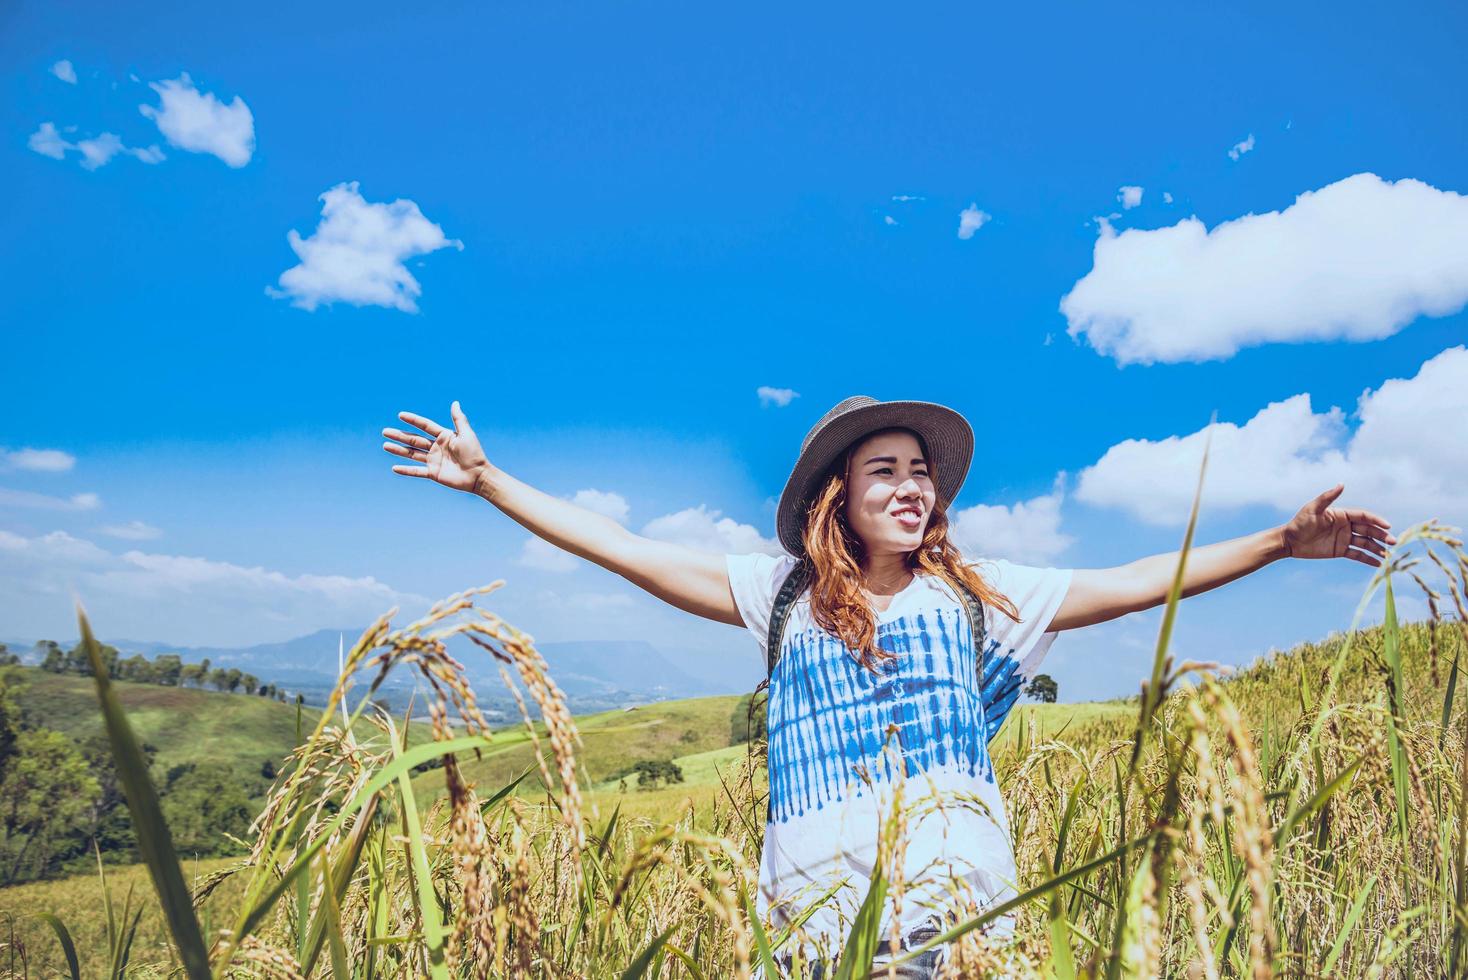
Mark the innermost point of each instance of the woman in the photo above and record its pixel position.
(876, 687)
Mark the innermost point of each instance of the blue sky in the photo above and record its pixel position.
(626, 219)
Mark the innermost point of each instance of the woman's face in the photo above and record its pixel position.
(887, 480)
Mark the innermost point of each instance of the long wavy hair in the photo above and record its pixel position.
(835, 553)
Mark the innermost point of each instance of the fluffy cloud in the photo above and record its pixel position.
(1241, 147)
(1028, 532)
(1405, 460)
(96, 151)
(186, 600)
(357, 252)
(63, 70)
(541, 554)
(201, 123)
(1130, 196)
(970, 220)
(704, 530)
(779, 397)
(44, 501)
(1356, 260)
(37, 460)
(131, 531)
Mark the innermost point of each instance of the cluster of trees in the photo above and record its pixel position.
(167, 669)
(650, 773)
(58, 795)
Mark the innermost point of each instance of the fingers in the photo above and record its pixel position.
(417, 442)
(1366, 517)
(427, 425)
(1373, 532)
(1362, 557)
(421, 471)
(1367, 544)
(1320, 503)
(461, 421)
(407, 452)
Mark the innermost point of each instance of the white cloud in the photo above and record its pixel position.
(1400, 461)
(95, 151)
(48, 142)
(43, 501)
(1166, 197)
(1130, 196)
(1027, 533)
(1241, 147)
(704, 530)
(538, 553)
(357, 252)
(887, 219)
(63, 70)
(131, 531)
(1356, 260)
(200, 123)
(183, 599)
(779, 397)
(38, 460)
(970, 220)
(906, 198)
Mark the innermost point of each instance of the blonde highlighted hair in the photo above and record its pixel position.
(835, 553)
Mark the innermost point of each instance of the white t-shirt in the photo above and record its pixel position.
(828, 718)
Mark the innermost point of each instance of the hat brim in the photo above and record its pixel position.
(947, 434)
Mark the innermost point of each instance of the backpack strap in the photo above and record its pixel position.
(791, 590)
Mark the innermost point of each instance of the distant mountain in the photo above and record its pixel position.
(594, 675)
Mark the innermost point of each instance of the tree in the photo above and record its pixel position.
(1042, 687)
(8, 658)
(138, 669)
(45, 799)
(53, 660)
(219, 679)
(203, 803)
(250, 683)
(651, 771)
(167, 668)
(232, 679)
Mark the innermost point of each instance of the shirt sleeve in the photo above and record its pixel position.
(755, 580)
(1014, 649)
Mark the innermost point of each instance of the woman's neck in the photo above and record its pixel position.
(886, 574)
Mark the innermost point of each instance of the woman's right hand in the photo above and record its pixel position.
(453, 457)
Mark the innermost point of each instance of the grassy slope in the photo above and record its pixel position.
(185, 725)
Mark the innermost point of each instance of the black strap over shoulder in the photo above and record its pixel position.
(795, 584)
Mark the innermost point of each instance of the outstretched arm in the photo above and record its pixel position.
(1317, 531)
(694, 581)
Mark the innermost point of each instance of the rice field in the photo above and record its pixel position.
(1302, 818)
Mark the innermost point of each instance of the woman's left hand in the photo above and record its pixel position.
(1318, 531)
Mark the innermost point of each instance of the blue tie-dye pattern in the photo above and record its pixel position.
(828, 714)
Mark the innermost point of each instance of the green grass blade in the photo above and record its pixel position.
(761, 940)
(155, 843)
(1352, 917)
(861, 944)
(63, 936)
(689, 963)
(639, 966)
(433, 930)
(332, 922)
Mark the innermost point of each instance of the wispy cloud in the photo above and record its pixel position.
(1027, 531)
(970, 220)
(1130, 196)
(37, 460)
(907, 198)
(704, 530)
(1241, 147)
(779, 397)
(201, 123)
(357, 252)
(1185, 293)
(131, 531)
(206, 601)
(63, 70)
(95, 151)
(45, 501)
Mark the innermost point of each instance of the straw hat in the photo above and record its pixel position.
(948, 436)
